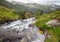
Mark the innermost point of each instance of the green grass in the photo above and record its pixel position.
(41, 22)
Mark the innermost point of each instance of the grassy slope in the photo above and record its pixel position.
(7, 14)
(41, 22)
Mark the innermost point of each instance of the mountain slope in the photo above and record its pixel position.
(34, 6)
(30, 7)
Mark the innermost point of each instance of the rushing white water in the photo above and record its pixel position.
(31, 34)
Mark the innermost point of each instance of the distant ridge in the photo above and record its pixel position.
(31, 7)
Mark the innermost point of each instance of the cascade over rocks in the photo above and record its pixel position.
(21, 31)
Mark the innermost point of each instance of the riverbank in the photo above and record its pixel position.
(53, 31)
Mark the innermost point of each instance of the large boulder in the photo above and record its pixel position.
(53, 23)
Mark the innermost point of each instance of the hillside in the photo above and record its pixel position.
(31, 7)
(7, 15)
(53, 31)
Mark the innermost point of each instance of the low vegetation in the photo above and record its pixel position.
(7, 15)
(53, 31)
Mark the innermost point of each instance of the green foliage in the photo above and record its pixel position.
(7, 14)
(46, 17)
(41, 22)
(22, 13)
(54, 37)
(1, 20)
(6, 4)
(38, 13)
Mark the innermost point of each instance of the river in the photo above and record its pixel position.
(20, 31)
